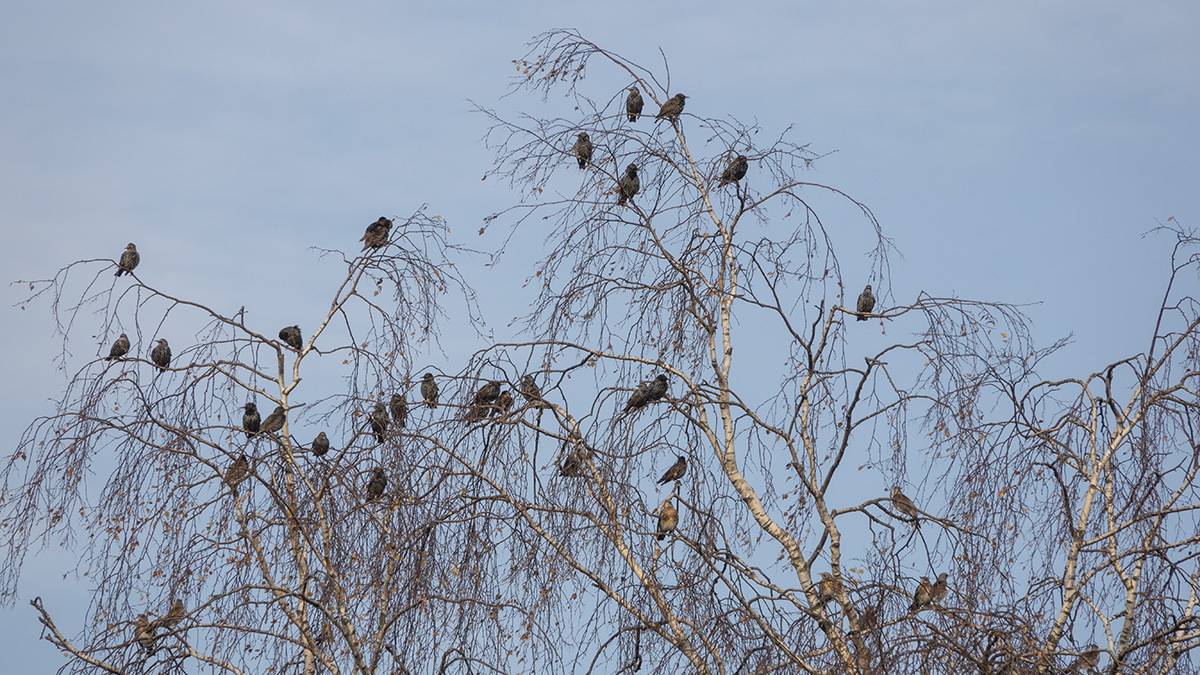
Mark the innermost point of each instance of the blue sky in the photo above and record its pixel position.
(1013, 151)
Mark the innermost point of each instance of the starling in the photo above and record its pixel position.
(736, 171)
(476, 413)
(251, 420)
(143, 632)
(237, 471)
(629, 185)
(639, 399)
(120, 348)
(399, 409)
(274, 421)
(488, 392)
(572, 466)
(291, 335)
(376, 486)
(377, 234)
(129, 260)
(173, 617)
(672, 108)
(161, 356)
(657, 388)
(503, 403)
(866, 302)
(529, 389)
(320, 445)
(1086, 661)
(923, 597)
(668, 519)
(634, 104)
(940, 588)
(379, 421)
(827, 588)
(675, 472)
(903, 504)
(429, 390)
(583, 149)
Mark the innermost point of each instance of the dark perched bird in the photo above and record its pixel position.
(237, 470)
(658, 387)
(903, 504)
(251, 420)
(668, 519)
(161, 356)
(377, 485)
(572, 465)
(377, 234)
(582, 149)
(488, 392)
(672, 108)
(143, 632)
(736, 171)
(129, 260)
(629, 185)
(429, 390)
(291, 335)
(923, 597)
(320, 445)
(503, 404)
(399, 409)
(634, 104)
(120, 348)
(173, 617)
(827, 588)
(529, 389)
(866, 303)
(274, 421)
(379, 421)
(476, 413)
(940, 588)
(1086, 661)
(675, 472)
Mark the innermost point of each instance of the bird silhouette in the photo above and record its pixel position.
(429, 390)
(503, 403)
(940, 588)
(628, 185)
(1086, 661)
(582, 149)
(237, 471)
(672, 108)
(274, 421)
(634, 104)
(377, 485)
(866, 303)
(251, 420)
(675, 472)
(736, 171)
(668, 519)
(320, 445)
(376, 235)
(657, 388)
(572, 465)
(119, 348)
(923, 597)
(904, 505)
(827, 588)
(529, 389)
(291, 335)
(379, 421)
(161, 356)
(398, 406)
(129, 260)
(143, 632)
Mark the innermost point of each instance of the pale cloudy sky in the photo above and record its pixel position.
(1013, 151)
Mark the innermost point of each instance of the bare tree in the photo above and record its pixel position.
(655, 500)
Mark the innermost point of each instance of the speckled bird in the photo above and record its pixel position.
(129, 260)
(676, 472)
(251, 420)
(398, 406)
(827, 588)
(377, 485)
(143, 632)
(903, 504)
(866, 303)
(119, 348)
(291, 335)
(377, 234)
(658, 388)
(237, 471)
(429, 390)
(923, 596)
(529, 389)
(672, 108)
(582, 149)
(572, 465)
(629, 185)
(161, 356)
(503, 403)
(668, 519)
(379, 421)
(634, 104)
(320, 445)
(274, 421)
(736, 171)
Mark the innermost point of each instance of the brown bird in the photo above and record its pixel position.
(668, 520)
(629, 185)
(866, 303)
(429, 390)
(398, 406)
(377, 234)
(904, 505)
(377, 485)
(868, 618)
(119, 348)
(582, 149)
(251, 420)
(940, 588)
(529, 389)
(827, 588)
(320, 445)
(129, 260)
(379, 421)
(274, 421)
(675, 472)
(736, 171)
(143, 632)
(291, 335)
(1087, 660)
(672, 108)
(237, 471)
(923, 597)
(173, 617)
(503, 403)
(572, 466)
(488, 393)
(161, 356)
(634, 104)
